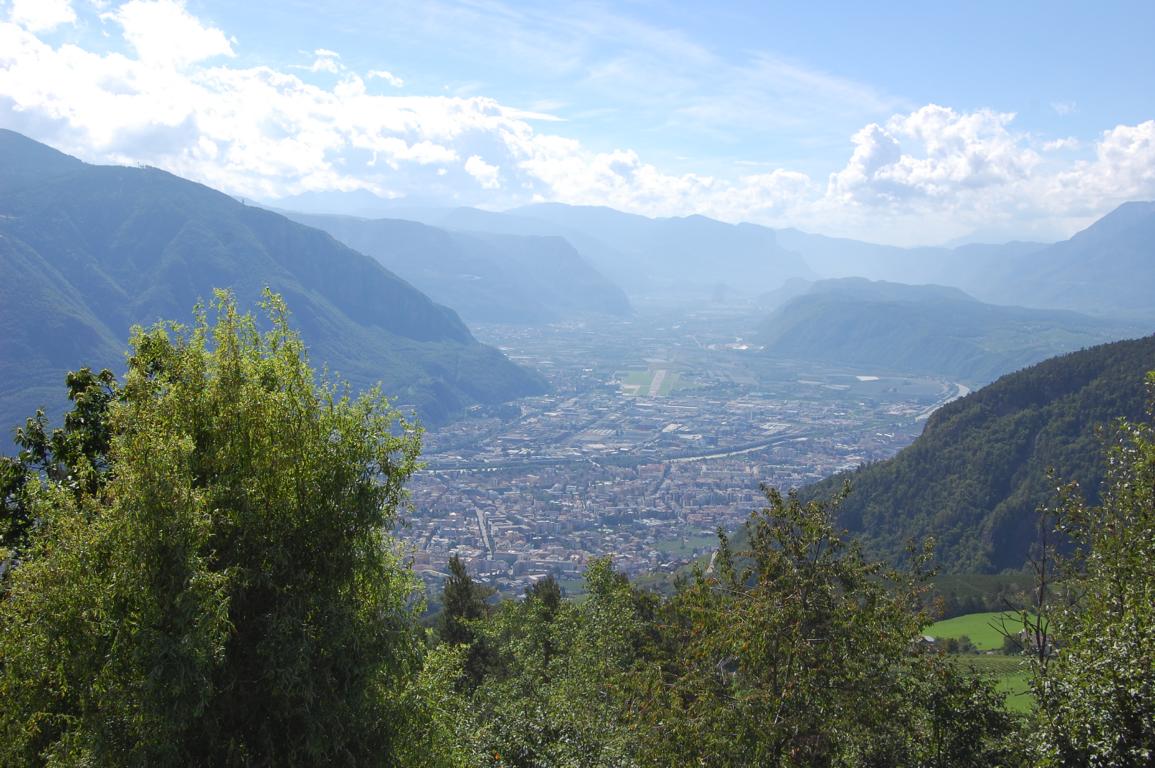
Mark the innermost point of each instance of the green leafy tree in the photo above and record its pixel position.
(796, 652)
(462, 602)
(226, 594)
(74, 455)
(562, 686)
(799, 651)
(1097, 692)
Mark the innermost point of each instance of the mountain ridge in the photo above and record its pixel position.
(976, 475)
(93, 250)
(485, 277)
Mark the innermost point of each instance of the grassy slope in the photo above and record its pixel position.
(985, 630)
(1009, 672)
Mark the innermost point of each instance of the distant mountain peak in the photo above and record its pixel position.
(1122, 219)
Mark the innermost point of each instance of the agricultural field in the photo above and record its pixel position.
(985, 630)
(1011, 675)
(658, 382)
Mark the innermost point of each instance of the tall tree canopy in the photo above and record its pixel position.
(1097, 693)
(227, 593)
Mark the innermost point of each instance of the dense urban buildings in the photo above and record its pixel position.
(659, 431)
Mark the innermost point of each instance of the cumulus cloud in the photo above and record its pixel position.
(1123, 168)
(1058, 145)
(387, 76)
(488, 176)
(326, 61)
(173, 98)
(933, 152)
(939, 171)
(164, 33)
(1127, 153)
(42, 15)
(875, 151)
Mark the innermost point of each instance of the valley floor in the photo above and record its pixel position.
(660, 429)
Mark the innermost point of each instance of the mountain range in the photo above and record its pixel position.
(485, 277)
(88, 251)
(922, 329)
(1106, 269)
(692, 257)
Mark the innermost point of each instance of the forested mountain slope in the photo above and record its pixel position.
(925, 329)
(88, 251)
(975, 477)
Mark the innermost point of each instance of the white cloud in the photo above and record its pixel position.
(1064, 108)
(874, 150)
(387, 76)
(934, 152)
(326, 61)
(164, 33)
(927, 174)
(1059, 145)
(935, 174)
(931, 170)
(1123, 169)
(42, 15)
(488, 176)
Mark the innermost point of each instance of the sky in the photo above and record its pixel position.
(904, 123)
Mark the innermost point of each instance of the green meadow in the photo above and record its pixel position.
(985, 630)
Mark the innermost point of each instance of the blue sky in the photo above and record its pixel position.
(911, 123)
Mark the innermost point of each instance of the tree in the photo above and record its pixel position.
(799, 651)
(462, 601)
(463, 607)
(227, 593)
(560, 690)
(75, 454)
(1097, 695)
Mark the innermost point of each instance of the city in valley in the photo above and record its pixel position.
(659, 430)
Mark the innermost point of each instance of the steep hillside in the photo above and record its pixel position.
(924, 329)
(975, 477)
(1108, 268)
(485, 277)
(88, 251)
